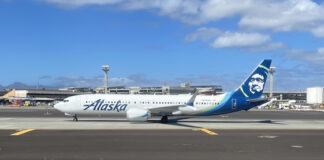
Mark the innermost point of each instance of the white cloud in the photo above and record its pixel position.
(319, 31)
(142, 80)
(274, 15)
(315, 58)
(236, 39)
(204, 34)
(184, 10)
(120, 81)
(297, 78)
(213, 10)
(80, 3)
(165, 6)
(289, 15)
(265, 47)
(245, 41)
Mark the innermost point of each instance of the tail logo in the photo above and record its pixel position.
(256, 83)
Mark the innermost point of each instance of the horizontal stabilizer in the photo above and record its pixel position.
(259, 99)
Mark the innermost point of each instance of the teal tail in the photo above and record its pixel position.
(253, 86)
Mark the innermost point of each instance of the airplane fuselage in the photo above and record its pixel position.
(112, 104)
(141, 107)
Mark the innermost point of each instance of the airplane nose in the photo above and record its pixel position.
(58, 106)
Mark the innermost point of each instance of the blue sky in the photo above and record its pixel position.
(149, 42)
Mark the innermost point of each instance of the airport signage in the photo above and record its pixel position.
(100, 105)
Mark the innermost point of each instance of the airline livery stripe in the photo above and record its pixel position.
(262, 66)
(208, 109)
(22, 132)
(243, 92)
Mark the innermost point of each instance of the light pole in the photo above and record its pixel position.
(105, 68)
(272, 70)
(38, 83)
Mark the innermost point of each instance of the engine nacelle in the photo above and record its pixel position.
(137, 114)
(187, 109)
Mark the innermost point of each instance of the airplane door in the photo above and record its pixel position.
(233, 104)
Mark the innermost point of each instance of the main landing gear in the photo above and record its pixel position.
(164, 119)
(75, 118)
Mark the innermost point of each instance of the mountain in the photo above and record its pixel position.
(19, 85)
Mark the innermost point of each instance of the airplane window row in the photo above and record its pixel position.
(111, 102)
(168, 103)
(204, 103)
(147, 102)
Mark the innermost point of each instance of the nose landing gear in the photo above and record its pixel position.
(75, 118)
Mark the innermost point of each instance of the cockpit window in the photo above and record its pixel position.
(66, 100)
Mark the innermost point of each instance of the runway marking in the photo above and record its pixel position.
(22, 132)
(268, 137)
(208, 131)
(296, 146)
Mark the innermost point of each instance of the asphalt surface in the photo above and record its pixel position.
(163, 144)
(252, 114)
(57, 137)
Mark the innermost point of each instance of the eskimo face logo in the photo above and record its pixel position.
(256, 83)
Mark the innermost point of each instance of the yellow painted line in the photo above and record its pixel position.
(22, 132)
(262, 66)
(243, 92)
(224, 116)
(208, 131)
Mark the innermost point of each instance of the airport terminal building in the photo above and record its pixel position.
(35, 97)
(184, 88)
(314, 97)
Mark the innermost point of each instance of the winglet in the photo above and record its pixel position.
(192, 99)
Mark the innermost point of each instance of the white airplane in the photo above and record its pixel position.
(142, 107)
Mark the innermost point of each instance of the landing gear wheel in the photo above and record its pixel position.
(75, 118)
(164, 119)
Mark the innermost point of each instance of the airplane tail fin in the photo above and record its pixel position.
(253, 86)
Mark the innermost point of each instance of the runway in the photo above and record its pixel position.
(251, 114)
(163, 144)
(40, 133)
(50, 119)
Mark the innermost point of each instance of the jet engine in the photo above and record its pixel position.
(137, 114)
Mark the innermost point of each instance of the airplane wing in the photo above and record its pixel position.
(167, 110)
